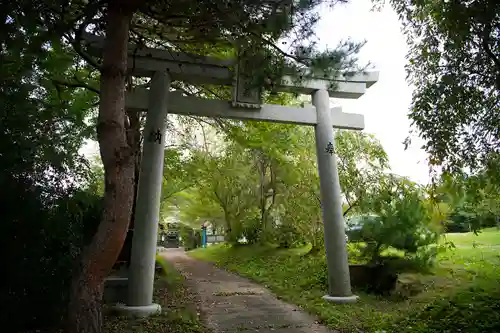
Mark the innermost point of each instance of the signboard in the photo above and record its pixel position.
(244, 94)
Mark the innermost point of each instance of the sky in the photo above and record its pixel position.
(386, 104)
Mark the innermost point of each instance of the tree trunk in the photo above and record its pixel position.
(376, 254)
(262, 177)
(85, 307)
(134, 141)
(118, 158)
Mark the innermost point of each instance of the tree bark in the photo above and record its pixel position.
(261, 165)
(98, 258)
(134, 141)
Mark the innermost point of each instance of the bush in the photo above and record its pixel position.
(287, 236)
(460, 222)
(252, 230)
(40, 243)
(190, 238)
(465, 221)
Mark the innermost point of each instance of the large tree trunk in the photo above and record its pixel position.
(134, 141)
(118, 159)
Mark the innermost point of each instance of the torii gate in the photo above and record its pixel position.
(164, 66)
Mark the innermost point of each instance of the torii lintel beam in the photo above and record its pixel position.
(186, 105)
(196, 69)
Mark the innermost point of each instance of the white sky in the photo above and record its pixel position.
(386, 104)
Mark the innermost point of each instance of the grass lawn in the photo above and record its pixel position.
(179, 309)
(461, 295)
(488, 237)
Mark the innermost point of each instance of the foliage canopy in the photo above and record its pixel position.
(454, 68)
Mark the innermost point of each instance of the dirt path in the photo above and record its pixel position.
(233, 304)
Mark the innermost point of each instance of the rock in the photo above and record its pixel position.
(373, 278)
(408, 285)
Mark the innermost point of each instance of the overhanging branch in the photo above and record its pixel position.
(75, 85)
(485, 42)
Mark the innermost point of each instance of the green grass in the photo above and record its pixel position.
(462, 293)
(486, 237)
(180, 312)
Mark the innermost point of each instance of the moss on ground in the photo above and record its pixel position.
(180, 311)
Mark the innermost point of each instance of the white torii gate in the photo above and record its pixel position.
(165, 66)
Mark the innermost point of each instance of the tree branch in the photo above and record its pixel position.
(177, 86)
(485, 42)
(350, 207)
(75, 85)
(88, 17)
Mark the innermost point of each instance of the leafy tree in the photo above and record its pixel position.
(47, 219)
(177, 177)
(43, 123)
(473, 201)
(271, 146)
(362, 161)
(230, 182)
(267, 147)
(196, 208)
(454, 66)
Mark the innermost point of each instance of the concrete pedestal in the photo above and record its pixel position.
(331, 204)
(138, 311)
(341, 300)
(115, 289)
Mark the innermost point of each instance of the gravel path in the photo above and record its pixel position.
(233, 304)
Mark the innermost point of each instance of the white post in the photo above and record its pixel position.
(144, 242)
(331, 203)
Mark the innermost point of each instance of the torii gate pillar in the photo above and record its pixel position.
(142, 266)
(339, 284)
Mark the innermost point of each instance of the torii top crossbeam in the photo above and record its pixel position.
(198, 69)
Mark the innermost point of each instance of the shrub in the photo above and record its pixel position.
(461, 222)
(39, 244)
(190, 238)
(252, 230)
(287, 236)
(466, 221)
